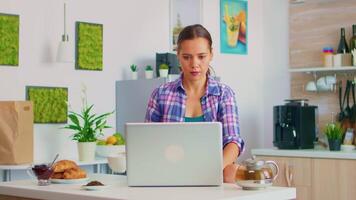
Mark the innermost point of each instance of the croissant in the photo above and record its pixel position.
(57, 175)
(74, 174)
(63, 165)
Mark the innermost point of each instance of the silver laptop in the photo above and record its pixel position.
(174, 154)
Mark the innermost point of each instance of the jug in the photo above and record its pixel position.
(256, 174)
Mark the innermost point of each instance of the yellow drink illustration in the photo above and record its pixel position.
(232, 34)
(233, 24)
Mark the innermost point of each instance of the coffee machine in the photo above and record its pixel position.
(294, 125)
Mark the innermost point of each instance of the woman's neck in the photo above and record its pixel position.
(195, 87)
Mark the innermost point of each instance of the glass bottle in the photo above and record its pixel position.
(353, 38)
(343, 48)
(353, 44)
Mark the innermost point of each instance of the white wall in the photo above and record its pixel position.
(276, 77)
(133, 32)
(260, 79)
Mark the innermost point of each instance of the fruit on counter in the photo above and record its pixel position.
(101, 142)
(111, 140)
(115, 139)
(119, 138)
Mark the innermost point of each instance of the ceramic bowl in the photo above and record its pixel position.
(347, 148)
(108, 150)
(117, 163)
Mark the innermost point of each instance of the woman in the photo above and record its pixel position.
(196, 96)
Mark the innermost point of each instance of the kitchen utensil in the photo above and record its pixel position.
(353, 109)
(347, 110)
(54, 160)
(343, 112)
(257, 174)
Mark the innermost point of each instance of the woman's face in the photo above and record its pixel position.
(194, 57)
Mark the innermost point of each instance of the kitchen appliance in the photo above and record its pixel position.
(294, 125)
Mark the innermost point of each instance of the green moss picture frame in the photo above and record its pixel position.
(9, 39)
(49, 103)
(89, 46)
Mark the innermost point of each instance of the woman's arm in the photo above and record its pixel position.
(233, 143)
(152, 112)
(228, 116)
(231, 151)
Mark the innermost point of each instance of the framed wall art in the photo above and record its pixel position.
(183, 13)
(89, 46)
(49, 103)
(9, 39)
(233, 26)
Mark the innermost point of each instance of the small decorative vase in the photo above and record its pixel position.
(163, 73)
(149, 74)
(134, 75)
(334, 145)
(86, 151)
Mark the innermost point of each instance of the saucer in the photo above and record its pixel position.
(69, 181)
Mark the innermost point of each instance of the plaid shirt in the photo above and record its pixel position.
(167, 104)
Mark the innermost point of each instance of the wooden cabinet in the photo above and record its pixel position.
(294, 172)
(334, 179)
(317, 179)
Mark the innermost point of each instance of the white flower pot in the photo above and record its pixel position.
(163, 73)
(149, 74)
(134, 75)
(86, 151)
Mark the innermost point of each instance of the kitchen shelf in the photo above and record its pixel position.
(342, 69)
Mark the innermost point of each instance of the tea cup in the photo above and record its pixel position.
(311, 86)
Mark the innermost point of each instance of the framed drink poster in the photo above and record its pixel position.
(183, 13)
(233, 26)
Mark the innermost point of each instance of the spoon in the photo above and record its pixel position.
(55, 158)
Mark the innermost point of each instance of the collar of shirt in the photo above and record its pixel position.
(212, 89)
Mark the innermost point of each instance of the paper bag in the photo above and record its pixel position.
(16, 132)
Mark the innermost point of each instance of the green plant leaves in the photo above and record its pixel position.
(334, 131)
(87, 127)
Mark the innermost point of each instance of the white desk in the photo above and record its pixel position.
(7, 168)
(118, 189)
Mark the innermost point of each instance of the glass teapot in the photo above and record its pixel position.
(255, 169)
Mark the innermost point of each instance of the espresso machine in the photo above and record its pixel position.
(294, 125)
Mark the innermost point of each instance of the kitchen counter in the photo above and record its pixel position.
(305, 153)
(118, 189)
(97, 163)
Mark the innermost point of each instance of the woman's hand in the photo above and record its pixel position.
(230, 173)
(233, 172)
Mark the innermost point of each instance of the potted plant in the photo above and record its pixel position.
(163, 70)
(133, 68)
(87, 128)
(149, 72)
(334, 134)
